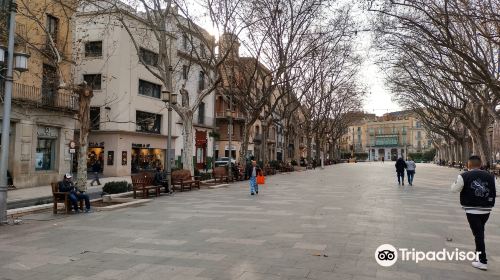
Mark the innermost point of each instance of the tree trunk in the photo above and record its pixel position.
(481, 144)
(85, 95)
(309, 147)
(264, 152)
(244, 143)
(188, 140)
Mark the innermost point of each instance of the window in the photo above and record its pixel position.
(148, 57)
(201, 113)
(95, 118)
(185, 41)
(203, 53)
(149, 89)
(148, 122)
(201, 81)
(93, 49)
(93, 80)
(50, 82)
(45, 157)
(52, 28)
(185, 72)
(419, 135)
(418, 124)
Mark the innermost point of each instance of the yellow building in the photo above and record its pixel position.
(43, 115)
(391, 136)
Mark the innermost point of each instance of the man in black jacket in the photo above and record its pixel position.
(66, 185)
(400, 171)
(477, 197)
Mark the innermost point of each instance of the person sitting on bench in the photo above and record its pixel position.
(66, 185)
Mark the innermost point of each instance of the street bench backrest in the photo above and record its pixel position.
(181, 174)
(220, 171)
(142, 179)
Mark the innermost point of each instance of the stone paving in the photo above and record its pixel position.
(319, 224)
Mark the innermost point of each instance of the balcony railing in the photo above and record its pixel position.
(237, 115)
(46, 98)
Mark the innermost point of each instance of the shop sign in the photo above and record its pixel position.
(45, 131)
(141, 146)
(96, 144)
(201, 142)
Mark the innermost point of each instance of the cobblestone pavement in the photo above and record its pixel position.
(319, 224)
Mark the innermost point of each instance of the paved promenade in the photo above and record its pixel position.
(319, 224)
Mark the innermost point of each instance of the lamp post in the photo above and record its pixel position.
(229, 115)
(171, 99)
(4, 156)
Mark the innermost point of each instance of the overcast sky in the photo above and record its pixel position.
(378, 100)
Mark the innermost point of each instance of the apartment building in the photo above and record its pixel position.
(391, 136)
(130, 119)
(43, 109)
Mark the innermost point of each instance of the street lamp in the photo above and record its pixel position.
(171, 99)
(21, 62)
(7, 103)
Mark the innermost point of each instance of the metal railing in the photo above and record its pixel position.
(42, 98)
(237, 115)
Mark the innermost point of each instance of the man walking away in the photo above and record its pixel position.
(252, 171)
(477, 197)
(410, 170)
(400, 171)
(96, 168)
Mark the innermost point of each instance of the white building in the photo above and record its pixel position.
(129, 117)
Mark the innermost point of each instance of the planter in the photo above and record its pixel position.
(111, 203)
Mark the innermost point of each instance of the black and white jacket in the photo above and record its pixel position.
(477, 191)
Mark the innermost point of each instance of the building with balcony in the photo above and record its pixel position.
(43, 115)
(130, 120)
(391, 136)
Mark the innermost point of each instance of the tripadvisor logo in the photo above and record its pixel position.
(387, 255)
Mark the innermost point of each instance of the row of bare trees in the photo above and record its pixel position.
(303, 67)
(442, 61)
(299, 51)
(303, 71)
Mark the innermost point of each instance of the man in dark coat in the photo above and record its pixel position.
(66, 185)
(400, 170)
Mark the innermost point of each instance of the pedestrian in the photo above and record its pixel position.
(314, 164)
(400, 170)
(410, 170)
(160, 179)
(66, 185)
(252, 171)
(383, 159)
(96, 168)
(477, 197)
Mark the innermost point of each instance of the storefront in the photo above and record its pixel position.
(201, 149)
(146, 158)
(95, 153)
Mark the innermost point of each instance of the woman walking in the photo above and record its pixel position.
(410, 170)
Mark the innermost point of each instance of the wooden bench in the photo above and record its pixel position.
(183, 179)
(269, 171)
(144, 183)
(220, 173)
(62, 197)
